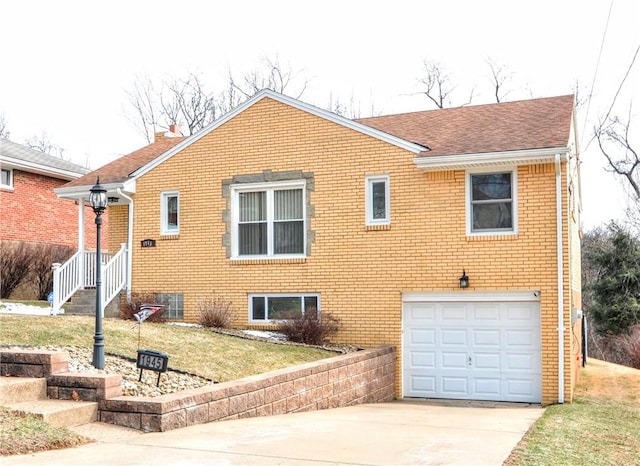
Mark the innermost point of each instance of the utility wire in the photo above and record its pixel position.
(595, 73)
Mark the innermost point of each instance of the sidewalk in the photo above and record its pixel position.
(395, 433)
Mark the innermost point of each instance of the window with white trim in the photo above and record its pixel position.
(7, 178)
(492, 202)
(377, 200)
(170, 213)
(264, 308)
(269, 220)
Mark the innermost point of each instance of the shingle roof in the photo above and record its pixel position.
(120, 169)
(509, 126)
(32, 160)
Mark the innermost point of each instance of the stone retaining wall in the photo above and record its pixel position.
(365, 376)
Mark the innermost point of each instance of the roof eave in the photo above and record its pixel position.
(77, 192)
(490, 159)
(39, 169)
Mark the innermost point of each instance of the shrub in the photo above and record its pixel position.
(308, 329)
(41, 274)
(137, 300)
(215, 312)
(15, 262)
(630, 344)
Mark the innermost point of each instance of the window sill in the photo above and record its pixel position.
(268, 261)
(165, 237)
(384, 226)
(7, 188)
(493, 237)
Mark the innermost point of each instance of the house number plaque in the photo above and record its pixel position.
(148, 243)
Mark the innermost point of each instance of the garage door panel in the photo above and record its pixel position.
(486, 312)
(486, 361)
(523, 338)
(423, 336)
(453, 360)
(522, 389)
(423, 312)
(521, 312)
(487, 387)
(452, 311)
(519, 362)
(472, 350)
(486, 337)
(424, 385)
(423, 359)
(454, 337)
(455, 387)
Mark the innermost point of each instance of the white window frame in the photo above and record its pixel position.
(10, 185)
(280, 295)
(269, 188)
(164, 213)
(369, 181)
(514, 202)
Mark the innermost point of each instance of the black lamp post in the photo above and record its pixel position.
(98, 200)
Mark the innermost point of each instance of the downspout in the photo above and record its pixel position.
(129, 242)
(561, 328)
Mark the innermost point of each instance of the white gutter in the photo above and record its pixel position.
(561, 328)
(484, 159)
(129, 243)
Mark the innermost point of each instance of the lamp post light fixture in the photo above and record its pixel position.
(464, 280)
(98, 200)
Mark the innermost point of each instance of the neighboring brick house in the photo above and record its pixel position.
(29, 208)
(282, 206)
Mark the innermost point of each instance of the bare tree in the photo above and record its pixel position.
(613, 135)
(44, 144)
(499, 77)
(4, 130)
(178, 100)
(269, 75)
(186, 101)
(437, 82)
(143, 98)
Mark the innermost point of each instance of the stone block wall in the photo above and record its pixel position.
(366, 376)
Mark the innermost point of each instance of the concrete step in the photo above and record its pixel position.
(60, 413)
(21, 389)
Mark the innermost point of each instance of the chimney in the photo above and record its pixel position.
(174, 132)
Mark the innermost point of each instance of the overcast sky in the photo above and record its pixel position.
(67, 64)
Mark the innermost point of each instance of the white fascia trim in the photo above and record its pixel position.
(39, 169)
(489, 159)
(465, 296)
(77, 192)
(364, 129)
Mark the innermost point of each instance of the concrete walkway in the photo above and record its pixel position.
(395, 433)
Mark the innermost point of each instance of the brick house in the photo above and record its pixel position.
(29, 209)
(451, 234)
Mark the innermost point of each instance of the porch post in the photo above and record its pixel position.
(81, 241)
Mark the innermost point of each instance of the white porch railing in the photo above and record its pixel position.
(80, 272)
(114, 276)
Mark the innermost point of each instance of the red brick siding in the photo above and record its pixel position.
(32, 212)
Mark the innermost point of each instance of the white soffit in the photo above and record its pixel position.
(489, 159)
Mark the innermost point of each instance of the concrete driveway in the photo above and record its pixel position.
(395, 433)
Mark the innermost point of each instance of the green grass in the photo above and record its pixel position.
(194, 350)
(23, 433)
(600, 428)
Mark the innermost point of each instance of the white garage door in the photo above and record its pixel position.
(484, 348)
